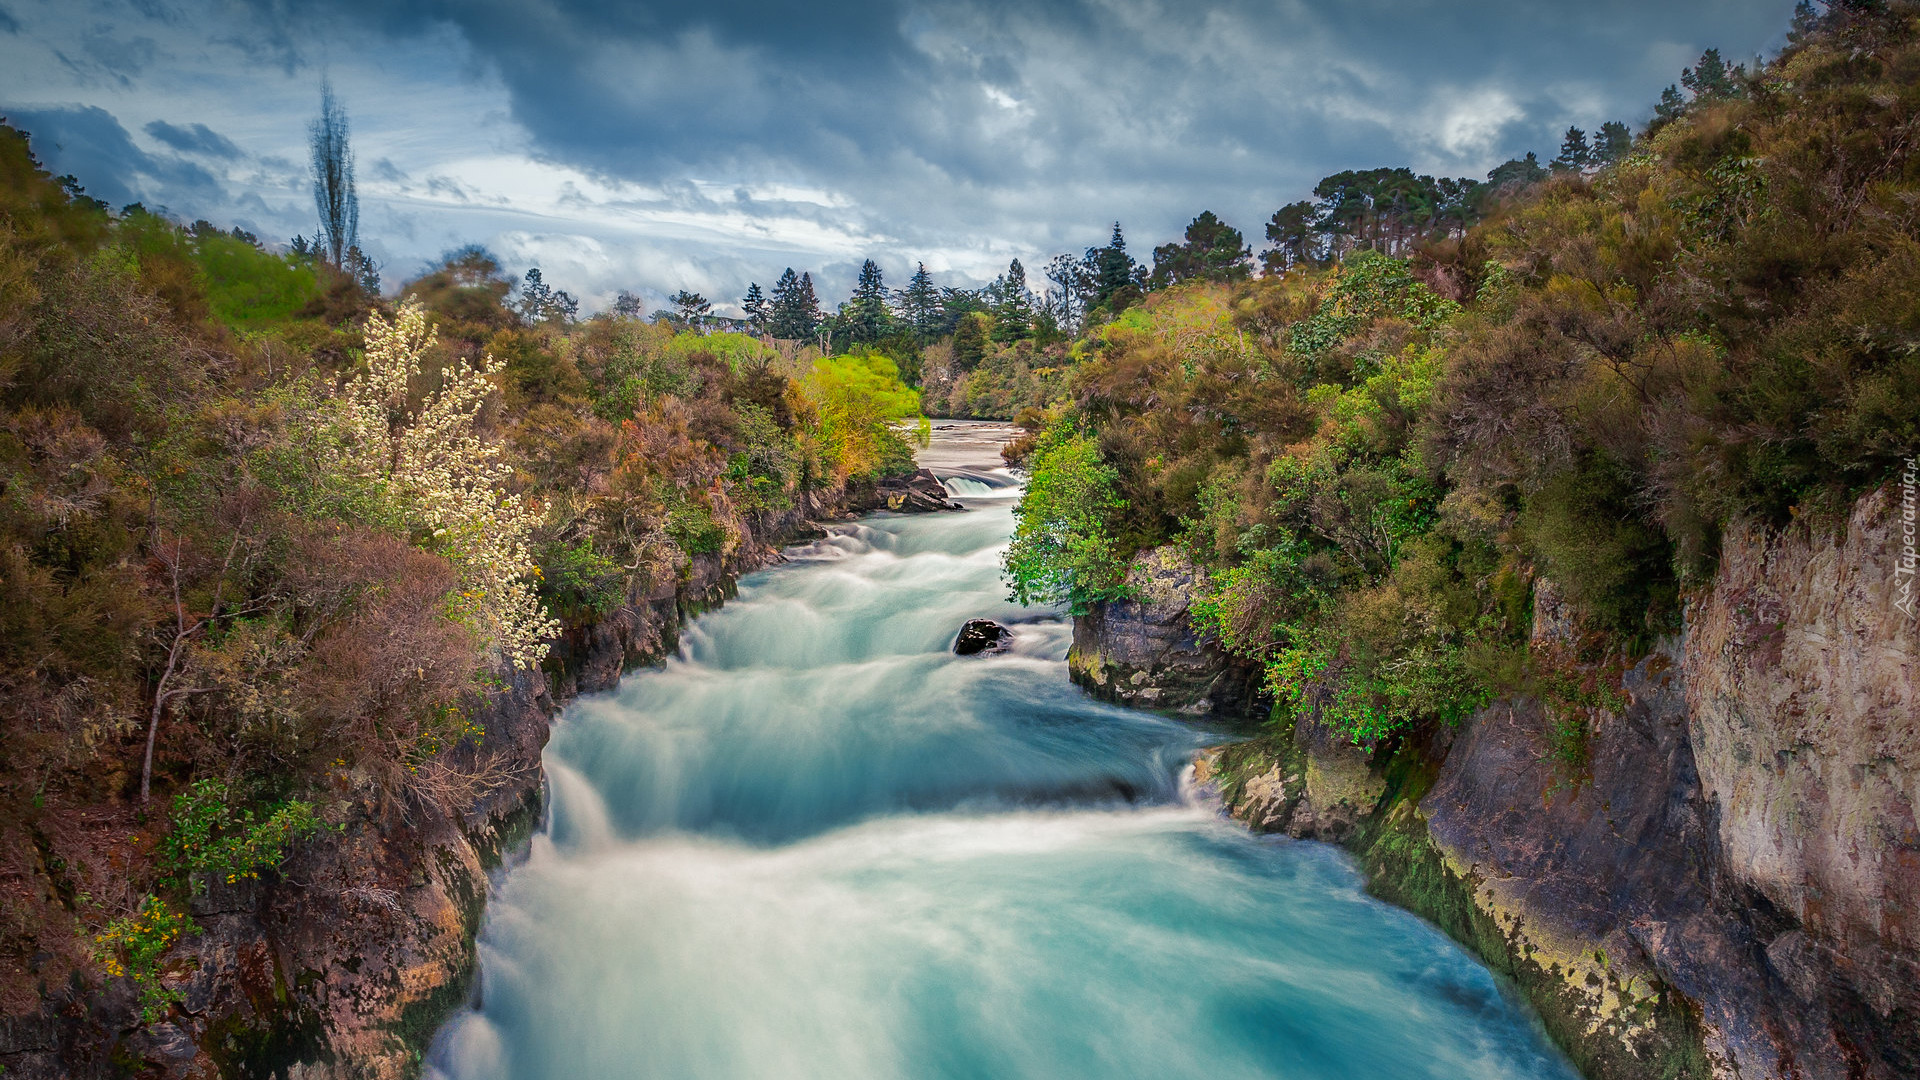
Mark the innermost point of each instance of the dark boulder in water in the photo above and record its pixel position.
(918, 493)
(982, 636)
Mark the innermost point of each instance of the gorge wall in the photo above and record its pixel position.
(1725, 887)
(345, 962)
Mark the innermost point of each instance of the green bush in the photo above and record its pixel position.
(576, 580)
(134, 946)
(1615, 567)
(209, 838)
(1061, 551)
(692, 527)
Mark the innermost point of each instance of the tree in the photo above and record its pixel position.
(1293, 231)
(1710, 79)
(809, 304)
(1065, 300)
(540, 302)
(919, 304)
(867, 317)
(628, 305)
(796, 310)
(1212, 251)
(1109, 270)
(1612, 143)
(1672, 106)
(446, 479)
(758, 312)
(334, 195)
(690, 308)
(970, 340)
(1575, 155)
(1013, 305)
(1516, 173)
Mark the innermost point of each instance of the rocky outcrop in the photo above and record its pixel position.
(1143, 651)
(1721, 884)
(981, 636)
(345, 962)
(1803, 687)
(918, 493)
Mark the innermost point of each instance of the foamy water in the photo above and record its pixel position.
(817, 844)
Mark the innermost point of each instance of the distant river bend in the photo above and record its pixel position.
(819, 845)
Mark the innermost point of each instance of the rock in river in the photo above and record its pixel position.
(982, 635)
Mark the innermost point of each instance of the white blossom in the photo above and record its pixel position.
(448, 481)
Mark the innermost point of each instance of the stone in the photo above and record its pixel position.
(982, 636)
(918, 493)
(1144, 650)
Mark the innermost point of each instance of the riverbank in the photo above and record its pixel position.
(345, 962)
(817, 843)
(1713, 875)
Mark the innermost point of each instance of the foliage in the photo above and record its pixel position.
(1654, 342)
(860, 400)
(576, 581)
(1062, 552)
(209, 838)
(447, 480)
(136, 945)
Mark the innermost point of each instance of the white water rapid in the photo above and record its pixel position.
(817, 844)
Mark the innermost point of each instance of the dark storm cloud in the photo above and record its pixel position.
(8, 23)
(87, 142)
(194, 139)
(933, 115)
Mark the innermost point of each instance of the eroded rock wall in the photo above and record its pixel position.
(1724, 884)
(1144, 652)
(1804, 698)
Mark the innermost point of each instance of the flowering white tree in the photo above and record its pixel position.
(443, 477)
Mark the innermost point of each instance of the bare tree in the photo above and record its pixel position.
(333, 190)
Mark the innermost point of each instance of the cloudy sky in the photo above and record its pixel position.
(652, 146)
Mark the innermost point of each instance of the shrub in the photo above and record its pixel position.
(208, 837)
(1061, 551)
(134, 946)
(576, 580)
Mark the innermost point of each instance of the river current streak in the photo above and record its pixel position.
(818, 845)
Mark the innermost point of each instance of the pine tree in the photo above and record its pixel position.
(866, 315)
(690, 308)
(1711, 79)
(787, 319)
(756, 308)
(1212, 251)
(1805, 21)
(536, 297)
(970, 340)
(1575, 154)
(808, 308)
(1293, 231)
(1612, 143)
(1672, 106)
(1109, 270)
(920, 304)
(1013, 306)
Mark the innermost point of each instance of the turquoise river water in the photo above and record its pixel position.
(819, 845)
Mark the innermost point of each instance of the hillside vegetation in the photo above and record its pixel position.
(267, 539)
(1378, 461)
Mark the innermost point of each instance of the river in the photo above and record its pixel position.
(816, 844)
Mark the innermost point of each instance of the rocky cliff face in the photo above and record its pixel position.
(1804, 713)
(345, 962)
(1725, 886)
(1143, 651)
